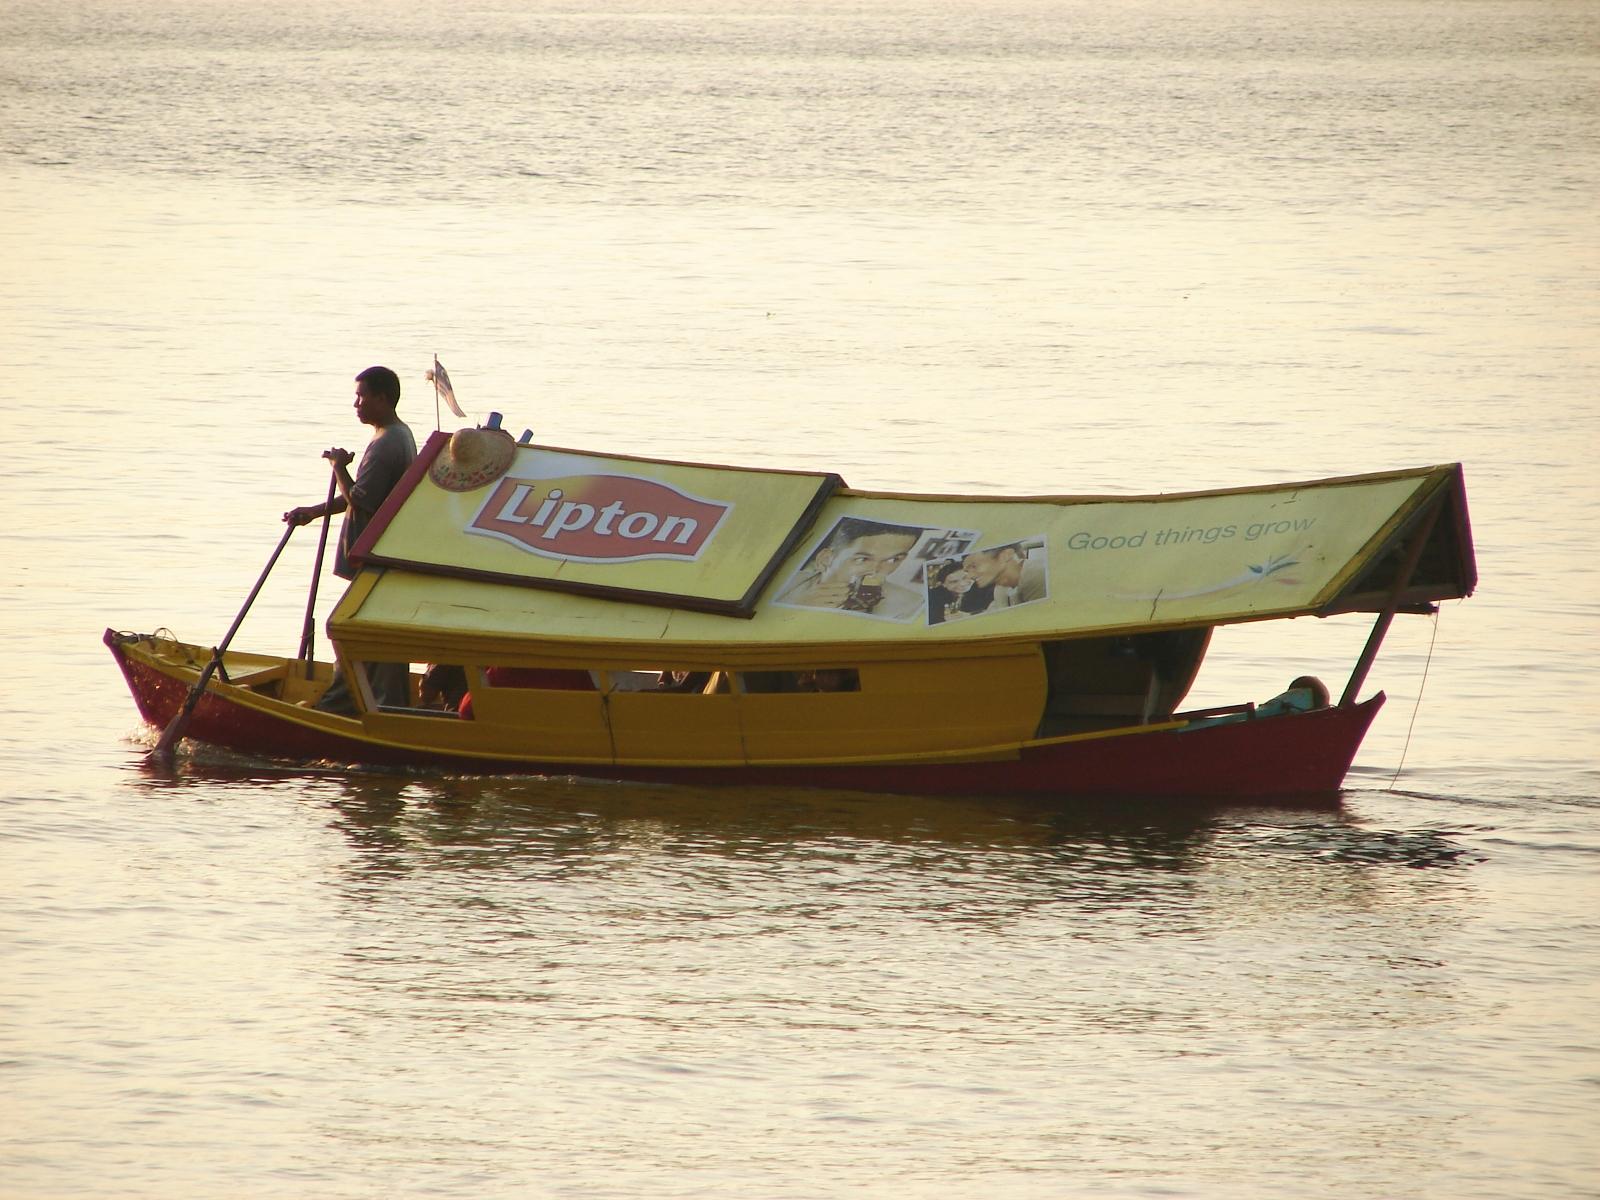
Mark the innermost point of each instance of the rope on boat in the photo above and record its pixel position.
(166, 648)
(1416, 708)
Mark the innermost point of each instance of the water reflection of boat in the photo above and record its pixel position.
(640, 619)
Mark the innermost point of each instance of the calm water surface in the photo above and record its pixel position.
(1046, 247)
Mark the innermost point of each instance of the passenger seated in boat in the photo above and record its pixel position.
(444, 685)
(827, 679)
(390, 684)
(1306, 693)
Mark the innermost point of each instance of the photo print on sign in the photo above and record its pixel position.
(864, 567)
(987, 580)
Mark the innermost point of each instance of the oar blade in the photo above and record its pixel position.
(173, 733)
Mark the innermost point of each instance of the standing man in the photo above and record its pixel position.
(390, 451)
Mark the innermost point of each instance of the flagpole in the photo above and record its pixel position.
(442, 390)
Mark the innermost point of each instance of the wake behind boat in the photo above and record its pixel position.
(577, 613)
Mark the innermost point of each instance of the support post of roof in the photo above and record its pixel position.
(1402, 580)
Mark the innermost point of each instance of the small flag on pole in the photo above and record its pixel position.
(442, 388)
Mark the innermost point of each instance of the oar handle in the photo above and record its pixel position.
(307, 630)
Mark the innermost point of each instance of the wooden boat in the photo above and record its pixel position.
(642, 619)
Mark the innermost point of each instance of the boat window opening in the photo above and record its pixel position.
(439, 690)
(1113, 682)
(544, 679)
(816, 679)
(691, 683)
(442, 687)
(641, 681)
(379, 687)
(684, 682)
(632, 681)
(427, 688)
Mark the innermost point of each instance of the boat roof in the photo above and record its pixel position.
(577, 548)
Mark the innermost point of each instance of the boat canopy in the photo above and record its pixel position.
(567, 548)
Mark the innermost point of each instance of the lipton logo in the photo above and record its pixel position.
(599, 518)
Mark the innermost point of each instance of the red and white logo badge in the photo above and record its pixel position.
(599, 518)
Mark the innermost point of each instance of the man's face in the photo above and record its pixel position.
(983, 566)
(994, 566)
(369, 405)
(875, 554)
(1010, 568)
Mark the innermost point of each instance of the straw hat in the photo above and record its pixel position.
(474, 458)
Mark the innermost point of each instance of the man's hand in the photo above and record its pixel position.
(822, 595)
(339, 457)
(303, 515)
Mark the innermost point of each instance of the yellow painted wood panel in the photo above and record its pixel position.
(554, 724)
(675, 726)
(901, 708)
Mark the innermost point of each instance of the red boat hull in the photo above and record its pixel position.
(1301, 754)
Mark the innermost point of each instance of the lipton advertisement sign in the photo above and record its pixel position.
(686, 535)
(599, 518)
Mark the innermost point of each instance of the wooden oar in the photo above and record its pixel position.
(316, 574)
(174, 730)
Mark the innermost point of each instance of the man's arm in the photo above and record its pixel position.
(306, 513)
(383, 465)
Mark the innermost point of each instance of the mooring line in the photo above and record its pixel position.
(1416, 708)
